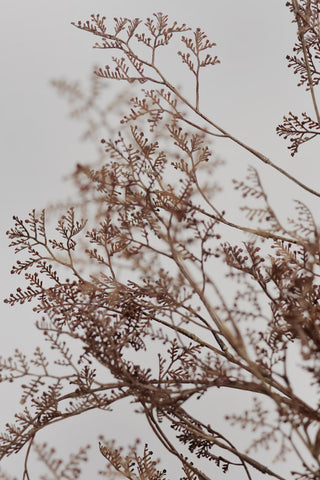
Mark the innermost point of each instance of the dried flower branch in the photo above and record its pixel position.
(165, 306)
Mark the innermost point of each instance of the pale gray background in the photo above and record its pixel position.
(247, 94)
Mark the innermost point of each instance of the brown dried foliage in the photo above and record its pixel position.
(139, 280)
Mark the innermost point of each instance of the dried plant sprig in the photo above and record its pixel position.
(305, 63)
(298, 131)
(163, 304)
(156, 76)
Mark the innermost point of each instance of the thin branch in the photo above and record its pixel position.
(299, 16)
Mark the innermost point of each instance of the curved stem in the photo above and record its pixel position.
(26, 471)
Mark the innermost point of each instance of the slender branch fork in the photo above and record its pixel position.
(131, 55)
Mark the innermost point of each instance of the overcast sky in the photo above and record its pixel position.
(247, 94)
